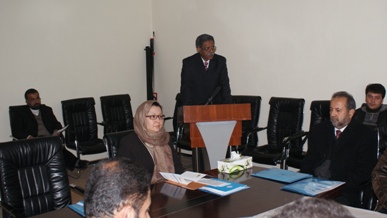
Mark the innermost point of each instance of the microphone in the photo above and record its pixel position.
(216, 91)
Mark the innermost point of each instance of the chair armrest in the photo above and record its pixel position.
(77, 189)
(180, 131)
(111, 127)
(103, 123)
(168, 118)
(256, 129)
(13, 138)
(9, 210)
(297, 135)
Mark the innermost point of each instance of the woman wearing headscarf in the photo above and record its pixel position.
(150, 144)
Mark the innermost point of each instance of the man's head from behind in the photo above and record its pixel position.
(342, 108)
(32, 98)
(117, 188)
(374, 95)
(313, 208)
(205, 45)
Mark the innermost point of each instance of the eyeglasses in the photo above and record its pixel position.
(154, 117)
(209, 48)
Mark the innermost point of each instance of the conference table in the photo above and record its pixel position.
(173, 201)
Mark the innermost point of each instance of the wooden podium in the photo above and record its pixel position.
(216, 116)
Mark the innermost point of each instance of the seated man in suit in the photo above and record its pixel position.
(342, 149)
(374, 113)
(203, 73)
(117, 188)
(37, 120)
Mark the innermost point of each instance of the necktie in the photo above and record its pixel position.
(338, 133)
(206, 65)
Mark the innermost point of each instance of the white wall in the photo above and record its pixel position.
(304, 49)
(70, 49)
(295, 48)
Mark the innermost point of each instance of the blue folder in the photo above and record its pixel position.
(280, 175)
(230, 188)
(78, 208)
(312, 186)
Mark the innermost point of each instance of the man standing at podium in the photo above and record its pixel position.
(204, 76)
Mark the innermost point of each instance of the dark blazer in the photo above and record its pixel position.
(24, 123)
(131, 147)
(352, 159)
(197, 84)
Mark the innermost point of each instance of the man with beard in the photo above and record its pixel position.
(203, 73)
(38, 120)
(374, 113)
(342, 149)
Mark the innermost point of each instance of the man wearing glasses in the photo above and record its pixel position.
(204, 76)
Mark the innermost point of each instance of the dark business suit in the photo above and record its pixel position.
(352, 159)
(197, 84)
(24, 124)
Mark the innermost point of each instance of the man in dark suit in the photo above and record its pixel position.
(202, 73)
(342, 149)
(37, 120)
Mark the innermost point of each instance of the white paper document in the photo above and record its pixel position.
(184, 178)
(63, 129)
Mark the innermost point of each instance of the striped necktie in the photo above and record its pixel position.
(338, 133)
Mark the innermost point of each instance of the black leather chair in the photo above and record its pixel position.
(33, 177)
(112, 141)
(182, 140)
(319, 113)
(82, 132)
(249, 125)
(117, 113)
(285, 119)
(13, 113)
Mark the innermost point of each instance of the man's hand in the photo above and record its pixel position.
(30, 137)
(55, 133)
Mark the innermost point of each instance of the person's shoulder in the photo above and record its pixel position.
(359, 114)
(323, 125)
(130, 137)
(219, 57)
(321, 129)
(45, 107)
(383, 109)
(359, 128)
(192, 57)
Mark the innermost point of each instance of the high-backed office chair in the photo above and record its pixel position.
(33, 176)
(285, 119)
(82, 133)
(183, 141)
(112, 141)
(319, 113)
(13, 114)
(249, 125)
(117, 113)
